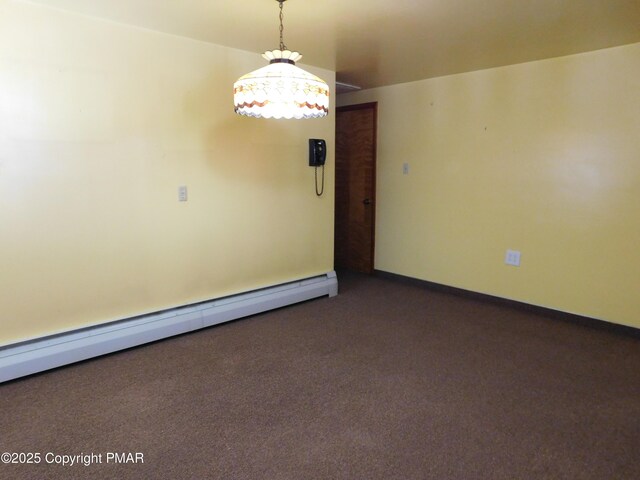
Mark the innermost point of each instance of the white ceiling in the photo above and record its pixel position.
(381, 42)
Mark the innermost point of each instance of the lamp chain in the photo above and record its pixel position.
(282, 45)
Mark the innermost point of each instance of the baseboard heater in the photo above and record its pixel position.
(38, 355)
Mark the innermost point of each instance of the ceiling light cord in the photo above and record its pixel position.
(282, 45)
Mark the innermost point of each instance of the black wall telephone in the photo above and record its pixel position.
(317, 158)
(317, 152)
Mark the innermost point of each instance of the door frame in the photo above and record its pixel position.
(374, 107)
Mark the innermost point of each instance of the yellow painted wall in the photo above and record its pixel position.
(99, 125)
(542, 157)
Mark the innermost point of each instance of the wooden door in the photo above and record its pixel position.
(355, 187)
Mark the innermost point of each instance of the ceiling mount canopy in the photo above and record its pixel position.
(281, 90)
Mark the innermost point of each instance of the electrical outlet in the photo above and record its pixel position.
(182, 193)
(512, 258)
(405, 169)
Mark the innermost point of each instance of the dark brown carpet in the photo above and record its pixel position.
(385, 381)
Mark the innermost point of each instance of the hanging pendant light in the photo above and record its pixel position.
(281, 90)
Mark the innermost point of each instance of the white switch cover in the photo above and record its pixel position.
(405, 169)
(182, 193)
(512, 258)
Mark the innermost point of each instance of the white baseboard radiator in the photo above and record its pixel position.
(38, 355)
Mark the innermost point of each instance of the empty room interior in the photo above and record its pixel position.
(412, 253)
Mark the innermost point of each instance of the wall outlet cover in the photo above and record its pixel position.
(182, 194)
(512, 258)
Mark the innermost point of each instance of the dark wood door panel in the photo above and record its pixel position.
(355, 187)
